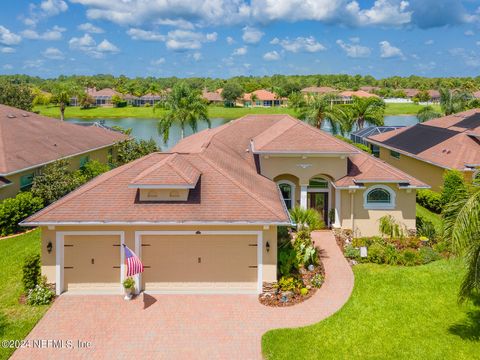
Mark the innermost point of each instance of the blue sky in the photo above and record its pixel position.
(223, 38)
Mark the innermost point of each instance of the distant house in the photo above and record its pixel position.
(428, 149)
(30, 141)
(213, 97)
(411, 93)
(318, 90)
(348, 95)
(263, 98)
(102, 97)
(148, 98)
(369, 89)
(476, 94)
(434, 96)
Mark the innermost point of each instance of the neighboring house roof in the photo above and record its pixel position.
(411, 92)
(29, 140)
(358, 93)
(173, 170)
(476, 94)
(262, 95)
(212, 95)
(446, 141)
(318, 90)
(369, 88)
(434, 94)
(151, 96)
(107, 92)
(229, 187)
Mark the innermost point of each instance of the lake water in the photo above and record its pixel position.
(147, 128)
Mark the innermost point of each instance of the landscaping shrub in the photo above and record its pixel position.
(93, 168)
(31, 272)
(376, 253)
(304, 291)
(287, 261)
(367, 241)
(283, 236)
(409, 257)
(442, 247)
(307, 218)
(317, 280)
(453, 183)
(14, 210)
(390, 227)
(289, 284)
(352, 252)
(426, 228)
(391, 255)
(430, 200)
(305, 251)
(427, 254)
(41, 294)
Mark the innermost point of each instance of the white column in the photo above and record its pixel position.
(138, 251)
(59, 249)
(303, 196)
(338, 208)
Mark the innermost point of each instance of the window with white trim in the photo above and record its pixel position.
(288, 193)
(379, 197)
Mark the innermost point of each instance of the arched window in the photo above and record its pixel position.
(379, 197)
(318, 183)
(287, 189)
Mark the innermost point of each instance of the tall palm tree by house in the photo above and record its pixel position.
(371, 110)
(454, 101)
(184, 106)
(253, 98)
(317, 109)
(462, 225)
(427, 113)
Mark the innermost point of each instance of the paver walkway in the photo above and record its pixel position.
(184, 326)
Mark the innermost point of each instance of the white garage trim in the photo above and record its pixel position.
(259, 234)
(60, 253)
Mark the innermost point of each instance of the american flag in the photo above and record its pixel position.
(134, 265)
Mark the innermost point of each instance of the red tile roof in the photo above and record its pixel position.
(262, 95)
(29, 140)
(173, 170)
(212, 95)
(411, 92)
(107, 92)
(445, 141)
(229, 188)
(358, 93)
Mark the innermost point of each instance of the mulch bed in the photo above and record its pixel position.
(272, 296)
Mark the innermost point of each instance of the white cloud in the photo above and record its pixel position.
(271, 56)
(7, 50)
(46, 9)
(50, 35)
(429, 42)
(33, 64)
(383, 12)
(139, 34)
(179, 23)
(240, 51)
(470, 57)
(230, 40)
(90, 28)
(89, 46)
(251, 35)
(388, 51)
(157, 62)
(53, 53)
(7, 37)
(354, 50)
(478, 43)
(197, 56)
(300, 44)
(469, 33)
(295, 10)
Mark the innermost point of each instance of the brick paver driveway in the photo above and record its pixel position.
(184, 326)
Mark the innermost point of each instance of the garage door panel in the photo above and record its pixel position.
(199, 262)
(91, 261)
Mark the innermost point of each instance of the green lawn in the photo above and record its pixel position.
(16, 320)
(214, 111)
(394, 312)
(436, 219)
(406, 109)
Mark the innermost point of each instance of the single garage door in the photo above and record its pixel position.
(200, 263)
(92, 262)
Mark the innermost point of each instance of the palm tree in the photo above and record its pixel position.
(371, 110)
(62, 94)
(462, 225)
(454, 101)
(253, 99)
(185, 107)
(427, 113)
(319, 108)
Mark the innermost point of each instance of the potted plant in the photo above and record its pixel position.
(129, 286)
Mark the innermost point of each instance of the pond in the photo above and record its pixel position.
(147, 128)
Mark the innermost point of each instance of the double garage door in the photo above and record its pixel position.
(173, 263)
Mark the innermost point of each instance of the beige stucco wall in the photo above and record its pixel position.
(304, 169)
(100, 155)
(365, 221)
(426, 172)
(48, 260)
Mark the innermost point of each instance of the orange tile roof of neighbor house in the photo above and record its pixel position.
(229, 187)
(29, 140)
(262, 95)
(358, 93)
(212, 95)
(446, 141)
(107, 92)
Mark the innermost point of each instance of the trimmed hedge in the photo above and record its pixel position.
(16, 209)
(430, 200)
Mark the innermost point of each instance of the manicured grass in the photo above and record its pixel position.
(406, 109)
(16, 320)
(394, 313)
(214, 111)
(436, 219)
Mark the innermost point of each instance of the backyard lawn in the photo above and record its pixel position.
(395, 312)
(214, 111)
(16, 320)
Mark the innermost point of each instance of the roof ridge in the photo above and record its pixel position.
(222, 171)
(89, 186)
(293, 123)
(179, 171)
